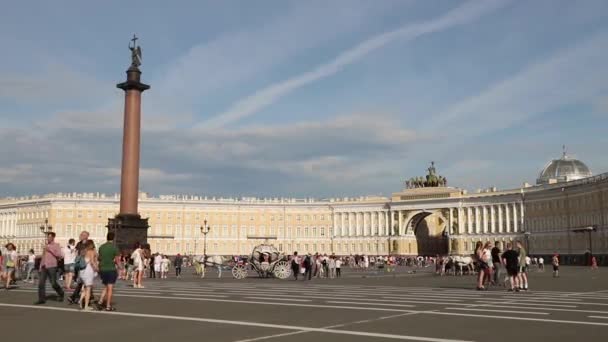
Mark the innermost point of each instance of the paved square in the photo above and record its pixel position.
(358, 307)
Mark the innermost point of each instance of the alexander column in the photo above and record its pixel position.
(128, 225)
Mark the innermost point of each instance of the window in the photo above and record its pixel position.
(270, 231)
(70, 214)
(197, 216)
(305, 217)
(169, 229)
(234, 231)
(314, 217)
(188, 231)
(251, 218)
(314, 231)
(99, 214)
(262, 230)
(252, 230)
(271, 217)
(169, 215)
(297, 217)
(79, 214)
(306, 231)
(58, 213)
(298, 232)
(322, 231)
(89, 214)
(187, 216)
(158, 215)
(225, 231)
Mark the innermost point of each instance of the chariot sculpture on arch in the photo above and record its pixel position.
(432, 179)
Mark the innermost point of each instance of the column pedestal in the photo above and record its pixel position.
(128, 229)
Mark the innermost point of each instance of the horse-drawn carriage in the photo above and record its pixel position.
(267, 261)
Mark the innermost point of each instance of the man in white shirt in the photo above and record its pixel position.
(338, 267)
(541, 264)
(158, 259)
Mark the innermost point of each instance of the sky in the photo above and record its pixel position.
(281, 98)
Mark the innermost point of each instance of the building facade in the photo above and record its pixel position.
(569, 218)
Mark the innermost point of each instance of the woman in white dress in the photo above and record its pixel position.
(138, 266)
(87, 276)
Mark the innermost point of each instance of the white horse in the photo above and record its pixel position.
(216, 261)
(462, 262)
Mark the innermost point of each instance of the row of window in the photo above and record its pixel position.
(187, 216)
(225, 231)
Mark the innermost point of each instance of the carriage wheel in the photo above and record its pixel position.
(282, 270)
(239, 272)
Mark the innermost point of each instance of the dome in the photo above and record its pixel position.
(564, 169)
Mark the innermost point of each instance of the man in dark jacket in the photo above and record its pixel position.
(178, 262)
(308, 266)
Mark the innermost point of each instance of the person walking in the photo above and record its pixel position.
(510, 259)
(158, 260)
(523, 267)
(10, 264)
(295, 265)
(29, 266)
(497, 264)
(338, 267)
(79, 265)
(177, 263)
(109, 257)
(308, 263)
(555, 263)
(87, 275)
(48, 269)
(479, 256)
(138, 265)
(332, 267)
(69, 258)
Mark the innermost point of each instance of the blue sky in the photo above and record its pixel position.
(301, 98)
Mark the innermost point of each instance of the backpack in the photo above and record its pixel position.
(79, 263)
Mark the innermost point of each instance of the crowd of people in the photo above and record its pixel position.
(79, 264)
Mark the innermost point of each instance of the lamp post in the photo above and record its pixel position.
(205, 230)
(45, 229)
(589, 230)
(527, 235)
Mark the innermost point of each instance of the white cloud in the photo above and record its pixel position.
(264, 97)
(234, 57)
(572, 76)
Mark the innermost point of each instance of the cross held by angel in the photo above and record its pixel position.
(135, 52)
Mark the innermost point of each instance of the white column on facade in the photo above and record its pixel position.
(492, 219)
(460, 221)
(391, 220)
(386, 223)
(469, 220)
(349, 223)
(483, 227)
(521, 216)
(375, 222)
(500, 220)
(507, 219)
(450, 220)
(357, 224)
(515, 219)
(342, 225)
(477, 220)
(367, 223)
(399, 232)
